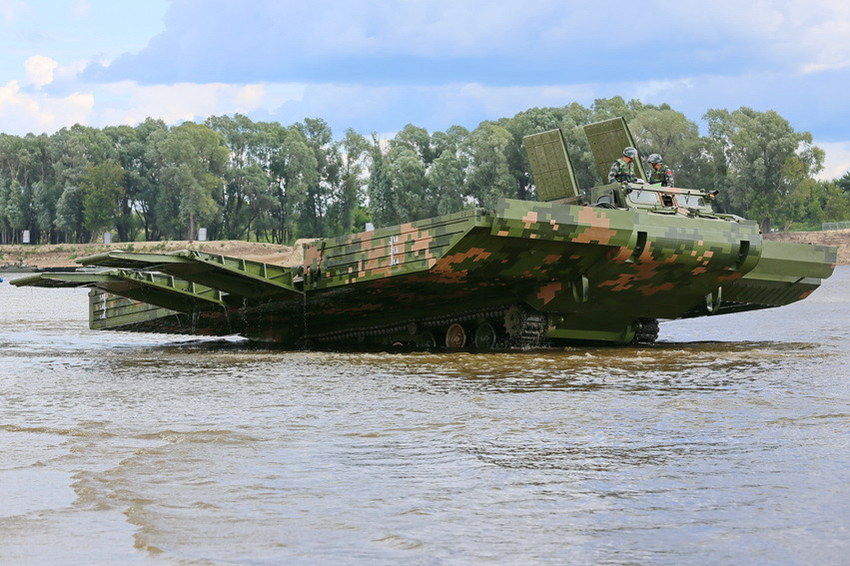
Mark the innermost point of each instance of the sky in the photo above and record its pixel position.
(376, 65)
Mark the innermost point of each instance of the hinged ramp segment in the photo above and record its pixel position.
(607, 141)
(152, 288)
(235, 276)
(550, 164)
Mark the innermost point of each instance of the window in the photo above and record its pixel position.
(644, 197)
(690, 201)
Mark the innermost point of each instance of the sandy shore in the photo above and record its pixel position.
(837, 238)
(63, 255)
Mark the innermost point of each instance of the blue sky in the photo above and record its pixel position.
(376, 65)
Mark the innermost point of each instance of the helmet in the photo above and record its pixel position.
(630, 152)
(654, 158)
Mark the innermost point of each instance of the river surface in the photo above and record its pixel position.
(728, 442)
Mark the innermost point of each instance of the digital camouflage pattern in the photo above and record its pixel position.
(521, 275)
(663, 176)
(621, 171)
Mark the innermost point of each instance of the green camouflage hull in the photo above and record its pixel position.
(526, 274)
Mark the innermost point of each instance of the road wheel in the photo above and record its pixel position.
(426, 340)
(455, 337)
(485, 337)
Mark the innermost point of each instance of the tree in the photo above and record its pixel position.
(488, 176)
(76, 148)
(417, 140)
(19, 208)
(446, 181)
(406, 173)
(139, 159)
(242, 178)
(293, 170)
(70, 213)
(450, 140)
(607, 108)
(762, 160)
(354, 148)
(383, 202)
(321, 188)
(45, 196)
(843, 182)
(103, 189)
(190, 160)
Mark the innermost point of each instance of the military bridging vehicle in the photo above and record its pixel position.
(599, 267)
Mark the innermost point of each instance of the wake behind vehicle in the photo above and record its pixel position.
(600, 266)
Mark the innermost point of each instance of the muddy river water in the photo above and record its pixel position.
(727, 442)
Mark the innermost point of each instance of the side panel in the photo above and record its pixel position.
(550, 163)
(113, 312)
(607, 140)
(397, 250)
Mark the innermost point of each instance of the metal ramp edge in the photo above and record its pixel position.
(236, 276)
(148, 287)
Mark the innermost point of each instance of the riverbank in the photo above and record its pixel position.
(837, 238)
(55, 256)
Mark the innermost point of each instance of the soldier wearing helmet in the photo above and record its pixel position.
(661, 173)
(623, 170)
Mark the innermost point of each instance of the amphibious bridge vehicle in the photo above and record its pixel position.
(601, 266)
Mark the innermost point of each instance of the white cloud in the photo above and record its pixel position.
(819, 31)
(799, 34)
(40, 69)
(654, 90)
(497, 102)
(130, 103)
(22, 112)
(837, 161)
(249, 97)
(490, 41)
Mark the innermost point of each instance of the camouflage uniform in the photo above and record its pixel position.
(621, 171)
(664, 175)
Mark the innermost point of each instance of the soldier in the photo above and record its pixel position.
(661, 173)
(623, 169)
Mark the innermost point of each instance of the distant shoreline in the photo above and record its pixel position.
(24, 258)
(837, 238)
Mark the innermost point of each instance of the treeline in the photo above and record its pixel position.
(242, 179)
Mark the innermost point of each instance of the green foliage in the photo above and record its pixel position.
(488, 176)
(445, 180)
(69, 213)
(761, 162)
(102, 186)
(268, 182)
